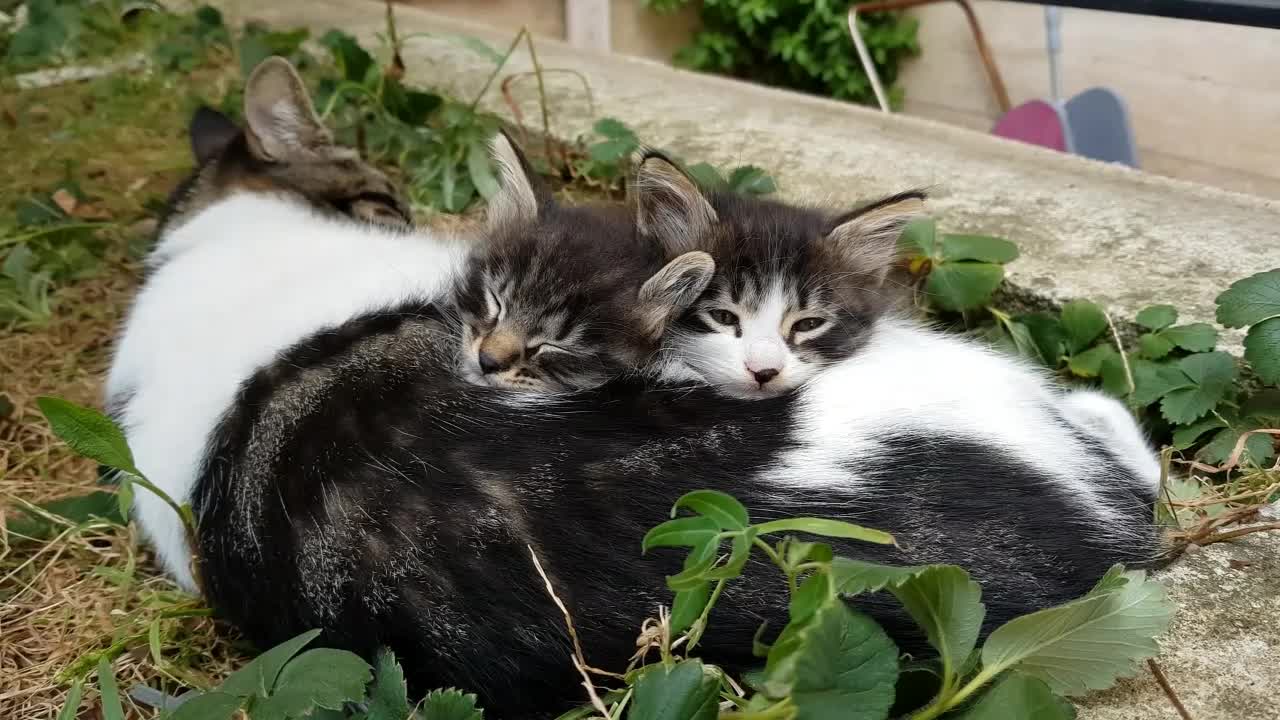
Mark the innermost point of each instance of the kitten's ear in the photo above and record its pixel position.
(282, 122)
(867, 238)
(669, 205)
(521, 194)
(211, 132)
(673, 289)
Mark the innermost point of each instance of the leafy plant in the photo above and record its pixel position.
(961, 272)
(797, 44)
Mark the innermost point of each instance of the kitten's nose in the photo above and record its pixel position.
(764, 376)
(490, 364)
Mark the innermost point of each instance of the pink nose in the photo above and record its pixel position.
(764, 376)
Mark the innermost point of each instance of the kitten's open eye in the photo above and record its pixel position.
(807, 324)
(724, 317)
(544, 348)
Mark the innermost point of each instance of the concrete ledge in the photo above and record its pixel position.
(1087, 230)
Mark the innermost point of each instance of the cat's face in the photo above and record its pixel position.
(557, 298)
(795, 290)
(284, 149)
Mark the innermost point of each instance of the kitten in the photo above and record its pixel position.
(795, 289)
(559, 298)
(290, 155)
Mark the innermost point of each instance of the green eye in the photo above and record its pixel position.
(723, 317)
(807, 324)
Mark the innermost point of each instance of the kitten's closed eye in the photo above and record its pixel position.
(723, 317)
(808, 324)
(539, 348)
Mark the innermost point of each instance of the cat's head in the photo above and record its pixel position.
(795, 289)
(558, 298)
(284, 148)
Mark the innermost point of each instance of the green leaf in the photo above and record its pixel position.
(449, 704)
(611, 151)
(688, 606)
(1155, 380)
(1262, 350)
(696, 565)
(89, 433)
(124, 496)
(751, 180)
(737, 557)
(481, 169)
(683, 691)
(1211, 375)
(71, 706)
(1019, 696)
(1083, 322)
(1048, 335)
(1263, 408)
(388, 696)
(706, 176)
(812, 594)
(1196, 337)
(110, 692)
(1088, 643)
(682, 532)
(918, 237)
(208, 706)
(75, 510)
(978, 247)
(963, 285)
(837, 664)
(1023, 341)
(1157, 317)
(352, 60)
(1259, 449)
(259, 675)
(615, 129)
(854, 577)
(324, 677)
(253, 50)
(728, 513)
(1185, 436)
(1154, 345)
(826, 528)
(1089, 363)
(1251, 300)
(947, 604)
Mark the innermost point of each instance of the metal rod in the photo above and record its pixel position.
(867, 66)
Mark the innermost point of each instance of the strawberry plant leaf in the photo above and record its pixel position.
(1262, 350)
(682, 532)
(963, 285)
(1019, 696)
(352, 60)
(706, 176)
(1259, 449)
(1211, 375)
(449, 704)
(1089, 363)
(1157, 317)
(1048, 335)
(1251, 300)
(481, 169)
(947, 604)
(918, 237)
(981, 248)
(688, 606)
(1087, 643)
(320, 678)
(208, 706)
(1185, 436)
(1155, 380)
(89, 433)
(1083, 322)
(751, 180)
(259, 675)
(683, 691)
(1196, 337)
(826, 528)
(1154, 346)
(615, 129)
(388, 696)
(75, 510)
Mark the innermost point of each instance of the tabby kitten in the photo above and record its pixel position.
(558, 298)
(795, 289)
(284, 149)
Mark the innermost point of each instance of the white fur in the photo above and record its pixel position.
(911, 378)
(232, 288)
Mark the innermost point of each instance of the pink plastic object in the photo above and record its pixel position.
(1038, 123)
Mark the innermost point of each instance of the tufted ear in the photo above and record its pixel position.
(211, 132)
(521, 194)
(673, 289)
(867, 238)
(669, 205)
(282, 123)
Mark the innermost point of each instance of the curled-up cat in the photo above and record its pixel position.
(346, 476)
(278, 233)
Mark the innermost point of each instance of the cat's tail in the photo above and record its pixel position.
(1110, 422)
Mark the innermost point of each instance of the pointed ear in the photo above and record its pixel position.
(210, 132)
(282, 123)
(673, 289)
(521, 194)
(669, 205)
(867, 238)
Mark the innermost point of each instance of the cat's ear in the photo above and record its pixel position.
(867, 238)
(673, 289)
(521, 193)
(211, 132)
(282, 123)
(669, 205)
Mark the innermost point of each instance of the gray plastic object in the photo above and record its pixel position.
(1100, 127)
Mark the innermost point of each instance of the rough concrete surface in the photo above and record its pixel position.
(1087, 230)
(1117, 236)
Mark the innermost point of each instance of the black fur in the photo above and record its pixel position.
(360, 487)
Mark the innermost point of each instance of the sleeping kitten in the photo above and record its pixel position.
(292, 156)
(559, 298)
(795, 289)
